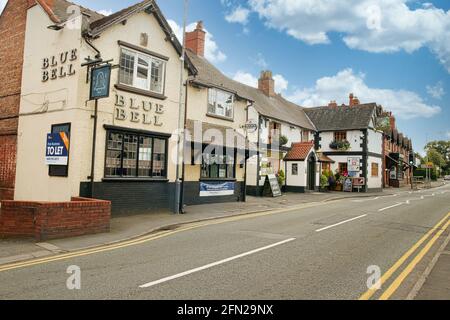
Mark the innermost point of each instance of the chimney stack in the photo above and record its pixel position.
(333, 104)
(392, 121)
(195, 40)
(353, 101)
(266, 83)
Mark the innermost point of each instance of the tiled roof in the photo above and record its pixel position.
(275, 107)
(299, 151)
(59, 9)
(342, 118)
(325, 158)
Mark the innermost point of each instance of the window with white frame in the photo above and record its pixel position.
(142, 71)
(220, 103)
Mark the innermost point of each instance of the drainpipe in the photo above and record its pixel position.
(180, 148)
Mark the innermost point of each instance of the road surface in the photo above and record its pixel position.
(332, 250)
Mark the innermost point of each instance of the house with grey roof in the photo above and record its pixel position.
(268, 122)
(348, 135)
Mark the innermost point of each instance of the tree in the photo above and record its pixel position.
(438, 152)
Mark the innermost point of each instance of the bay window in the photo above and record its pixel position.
(135, 155)
(142, 71)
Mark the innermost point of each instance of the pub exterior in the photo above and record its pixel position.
(135, 124)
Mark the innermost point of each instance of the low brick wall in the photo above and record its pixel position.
(51, 220)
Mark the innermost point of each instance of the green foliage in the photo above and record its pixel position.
(281, 177)
(283, 140)
(323, 181)
(419, 172)
(438, 152)
(340, 145)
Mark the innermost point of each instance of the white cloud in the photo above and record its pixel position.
(2, 5)
(212, 51)
(246, 78)
(238, 15)
(106, 12)
(404, 104)
(281, 84)
(437, 91)
(370, 25)
(448, 134)
(260, 61)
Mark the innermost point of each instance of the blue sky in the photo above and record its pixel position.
(395, 53)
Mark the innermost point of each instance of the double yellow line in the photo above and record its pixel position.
(441, 226)
(147, 238)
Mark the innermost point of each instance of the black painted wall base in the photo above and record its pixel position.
(294, 189)
(255, 191)
(133, 197)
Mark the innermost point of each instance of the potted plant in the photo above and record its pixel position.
(323, 183)
(339, 181)
(281, 178)
(343, 145)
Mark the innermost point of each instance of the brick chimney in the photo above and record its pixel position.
(333, 104)
(353, 101)
(266, 83)
(195, 40)
(392, 121)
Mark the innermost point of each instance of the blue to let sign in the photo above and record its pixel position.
(100, 82)
(57, 150)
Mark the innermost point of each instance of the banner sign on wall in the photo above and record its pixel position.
(57, 149)
(214, 189)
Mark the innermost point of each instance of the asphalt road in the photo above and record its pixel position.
(322, 251)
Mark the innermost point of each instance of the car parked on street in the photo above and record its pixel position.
(447, 178)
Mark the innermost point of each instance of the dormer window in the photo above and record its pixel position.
(142, 71)
(220, 103)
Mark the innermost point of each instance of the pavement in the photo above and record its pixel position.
(279, 248)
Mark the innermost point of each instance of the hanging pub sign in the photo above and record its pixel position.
(100, 82)
(57, 149)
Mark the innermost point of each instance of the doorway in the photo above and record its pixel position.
(312, 172)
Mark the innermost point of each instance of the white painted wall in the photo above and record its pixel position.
(374, 182)
(353, 136)
(68, 97)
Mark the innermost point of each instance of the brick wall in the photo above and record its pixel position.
(12, 35)
(51, 220)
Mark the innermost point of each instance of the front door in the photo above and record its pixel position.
(312, 172)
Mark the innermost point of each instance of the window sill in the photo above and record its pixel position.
(135, 180)
(218, 179)
(141, 92)
(220, 117)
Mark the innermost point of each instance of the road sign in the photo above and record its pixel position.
(353, 164)
(359, 182)
(100, 82)
(57, 149)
